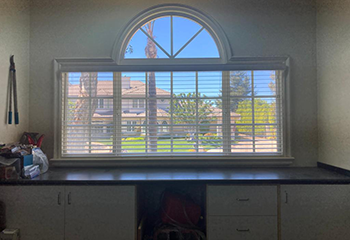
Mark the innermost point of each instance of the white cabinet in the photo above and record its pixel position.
(315, 212)
(242, 212)
(100, 212)
(38, 211)
(71, 212)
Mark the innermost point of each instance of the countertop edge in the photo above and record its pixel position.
(253, 176)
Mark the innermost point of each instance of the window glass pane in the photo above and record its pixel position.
(105, 84)
(266, 125)
(158, 140)
(161, 32)
(265, 83)
(202, 46)
(210, 84)
(102, 129)
(257, 124)
(183, 30)
(153, 40)
(137, 47)
(133, 85)
(184, 84)
(162, 84)
(85, 133)
(209, 119)
(240, 83)
(73, 89)
(242, 136)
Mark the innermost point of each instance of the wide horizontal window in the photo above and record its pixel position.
(194, 113)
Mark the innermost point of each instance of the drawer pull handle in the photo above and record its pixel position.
(243, 230)
(59, 198)
(243, 199)
(69, 199)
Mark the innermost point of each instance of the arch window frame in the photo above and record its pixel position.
(209, 24)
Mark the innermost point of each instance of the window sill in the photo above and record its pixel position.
(172, 162)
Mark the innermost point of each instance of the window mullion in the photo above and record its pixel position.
(226, 118)
(253, 111)
(90, 113)
(117, 113)
(65, 109)
(146, 113)
(171, 37)
(197, 117)
(279, 110)
(171, 112)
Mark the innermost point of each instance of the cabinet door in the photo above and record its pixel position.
(100, 212)
(315, 212)
(38, 211)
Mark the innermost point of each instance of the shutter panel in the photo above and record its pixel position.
(172, 113)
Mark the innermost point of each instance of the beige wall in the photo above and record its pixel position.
(14, 39)
(89, 28)
(333, 75)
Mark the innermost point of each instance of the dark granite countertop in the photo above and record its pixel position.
(103, 176)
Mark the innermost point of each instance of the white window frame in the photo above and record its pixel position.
(117, 63)
(249, 63)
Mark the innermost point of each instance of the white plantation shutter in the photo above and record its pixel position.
(220, 113)
(88, 127)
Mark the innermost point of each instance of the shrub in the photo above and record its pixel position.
(135, 139)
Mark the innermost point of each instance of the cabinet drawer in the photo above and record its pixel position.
(241, 200)
(245, 228)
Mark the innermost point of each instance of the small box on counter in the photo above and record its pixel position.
(8, 173)
(14, 168)
(10, 168)
(27, 160)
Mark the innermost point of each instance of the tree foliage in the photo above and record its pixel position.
(240, 85)
(272, 84)
(185, 105)
(184, 111)
(264, 113)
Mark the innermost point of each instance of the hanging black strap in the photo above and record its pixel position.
(13, 86)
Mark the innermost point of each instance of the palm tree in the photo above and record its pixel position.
(82, 111)
(151, 52)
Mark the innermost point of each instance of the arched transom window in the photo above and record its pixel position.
(172, 34)
(171, 37)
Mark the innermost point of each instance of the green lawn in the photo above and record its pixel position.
(164, 145)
